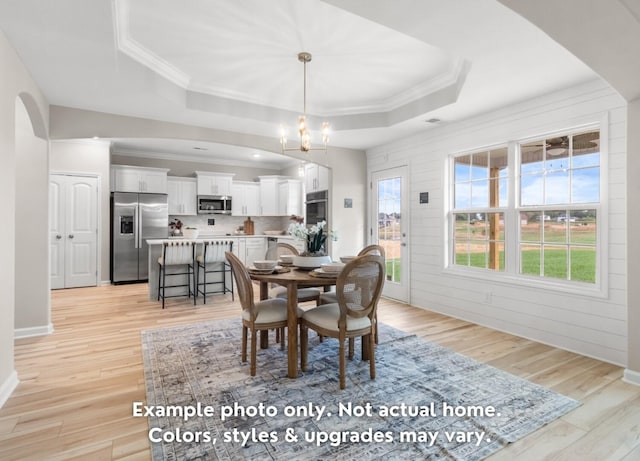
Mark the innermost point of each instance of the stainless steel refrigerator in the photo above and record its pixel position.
(135, 218)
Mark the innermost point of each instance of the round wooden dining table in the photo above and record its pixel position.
(292, 280)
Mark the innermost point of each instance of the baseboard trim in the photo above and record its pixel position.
(631, 377)
(104, 283)
(8, 387)
(30, 332)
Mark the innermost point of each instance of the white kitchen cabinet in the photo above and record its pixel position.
(125, 178)
(316, 177)
(210, 183)
(250, 249)
(269, 190)
(290, 197)
(182, 196)
(245, 198)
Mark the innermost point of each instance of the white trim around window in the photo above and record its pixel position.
(510, 275)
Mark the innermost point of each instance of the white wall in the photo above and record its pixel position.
(32, 306)
(15, 82)
(91, 158)
(633, 264)
(586, 324)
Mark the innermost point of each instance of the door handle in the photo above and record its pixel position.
(403, 244)
(70, 236)
(58, 237)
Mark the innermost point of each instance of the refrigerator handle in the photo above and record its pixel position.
(136, 226)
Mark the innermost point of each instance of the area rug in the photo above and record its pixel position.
(427, 402)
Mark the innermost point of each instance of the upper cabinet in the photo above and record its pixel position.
(290, 197)
(126, 178)
(316, 177)
(214, 183)
(269, 195)
(245, 198)
(182, 196)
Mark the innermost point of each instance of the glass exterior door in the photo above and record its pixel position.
(389, 228)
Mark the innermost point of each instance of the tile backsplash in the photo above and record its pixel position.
(228, 224)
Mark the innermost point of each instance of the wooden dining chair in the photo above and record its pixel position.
(256, 316)
(358, 289)
(330, 297)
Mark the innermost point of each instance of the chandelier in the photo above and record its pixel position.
(303, 129)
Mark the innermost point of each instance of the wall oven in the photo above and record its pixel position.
(316, 207)
(214, 204)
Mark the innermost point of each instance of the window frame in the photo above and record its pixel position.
(512, 238)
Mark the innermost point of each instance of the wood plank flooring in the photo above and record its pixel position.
(77, 384)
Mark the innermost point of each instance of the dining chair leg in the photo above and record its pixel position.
(365, 347)
(304, 336)
(343, 364)
(254, 346)
(375, 329)
(372, 357)
(281, 332)
(244, 344)
(351, 348)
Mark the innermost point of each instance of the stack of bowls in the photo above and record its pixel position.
(265, 265)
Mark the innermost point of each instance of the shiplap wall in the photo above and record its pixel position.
(592, 324)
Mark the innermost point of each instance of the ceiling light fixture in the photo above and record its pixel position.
(303, 129)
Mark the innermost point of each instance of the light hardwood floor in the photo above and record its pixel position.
(77, 384)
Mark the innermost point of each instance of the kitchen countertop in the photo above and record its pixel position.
(203, 237)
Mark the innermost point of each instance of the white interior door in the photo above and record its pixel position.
(73, 231)
(389, 227)
(56, 230)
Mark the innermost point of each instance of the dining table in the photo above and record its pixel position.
(293, 279)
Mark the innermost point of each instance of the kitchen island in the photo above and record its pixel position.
(248, 248)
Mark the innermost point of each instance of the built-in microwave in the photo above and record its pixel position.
(214, 204)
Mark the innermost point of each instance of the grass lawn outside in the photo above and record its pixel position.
(583, 263)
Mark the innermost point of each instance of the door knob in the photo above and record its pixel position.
(58, 236)
(70, 236)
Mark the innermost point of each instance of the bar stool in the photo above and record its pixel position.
(212, 261)
(176, 253)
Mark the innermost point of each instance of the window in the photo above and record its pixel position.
(559, 202)
(480, 188)
(553, 206)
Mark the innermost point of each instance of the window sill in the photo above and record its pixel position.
(587, 290)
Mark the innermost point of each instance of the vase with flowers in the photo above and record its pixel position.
(315, 238)
(176, 226)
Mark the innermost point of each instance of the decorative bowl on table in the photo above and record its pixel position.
(265, 265)
(347, 259)
(310, 262)
(332, 268)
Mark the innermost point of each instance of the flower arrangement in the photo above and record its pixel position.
(315, 236)
(175, 225)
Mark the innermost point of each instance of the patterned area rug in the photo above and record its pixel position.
(427, 402)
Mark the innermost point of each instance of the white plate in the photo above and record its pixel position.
(321, 273)
(255, 270)
(260, 271)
